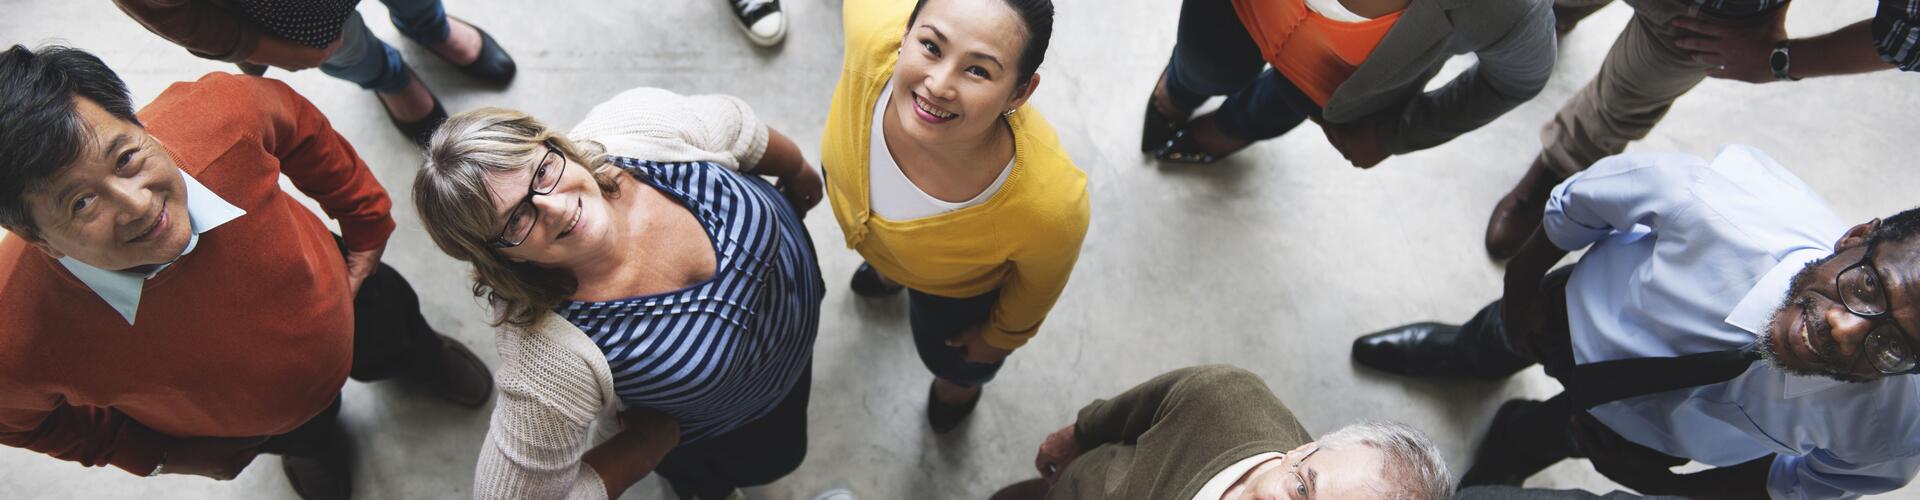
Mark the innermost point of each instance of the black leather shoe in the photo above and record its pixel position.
(944, 417)
(866, 283)
(461, 377)
(419, 131)
(1416, 350)
(323, 474)
(1156, 129)
(493, 65)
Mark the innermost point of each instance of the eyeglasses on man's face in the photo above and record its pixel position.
(520, 221)
(1863, 291)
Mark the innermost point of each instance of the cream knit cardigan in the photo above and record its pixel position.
(556, 391)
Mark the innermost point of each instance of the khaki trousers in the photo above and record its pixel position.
(1639, 80)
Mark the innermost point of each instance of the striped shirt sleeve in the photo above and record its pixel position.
(1896, 32)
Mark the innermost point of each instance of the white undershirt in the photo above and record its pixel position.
(1334, 10)
(894, 197)
(1217, 487)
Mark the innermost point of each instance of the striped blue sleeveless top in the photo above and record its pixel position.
(722, 353)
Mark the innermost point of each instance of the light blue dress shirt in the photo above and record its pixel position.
(1687, 255)
(120, 289)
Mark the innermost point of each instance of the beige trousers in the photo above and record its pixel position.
(1639, 80)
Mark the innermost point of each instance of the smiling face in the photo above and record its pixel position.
(564, 225)
(1813, 332)
(1308, 472)
(121, 204)
(959, 70)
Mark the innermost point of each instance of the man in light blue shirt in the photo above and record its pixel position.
(1694, 269)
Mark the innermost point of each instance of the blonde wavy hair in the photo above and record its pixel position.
(450, 192)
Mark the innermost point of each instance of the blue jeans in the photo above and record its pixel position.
(936, 319)
(371, 63)
(1214, 55)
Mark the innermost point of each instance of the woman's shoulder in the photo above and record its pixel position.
(873, 31)
(550, 351)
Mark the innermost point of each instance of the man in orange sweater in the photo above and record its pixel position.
(164, 307)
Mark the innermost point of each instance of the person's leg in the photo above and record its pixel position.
(366, 60)
(956, 384)
(391, 338)
(758, 453)
(1213, 55)
(423, 21)
(315, 456)
(1641, 77)
(1268, 107)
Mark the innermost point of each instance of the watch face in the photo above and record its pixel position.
(1778, 61)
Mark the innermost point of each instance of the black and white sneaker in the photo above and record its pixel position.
(761, 20)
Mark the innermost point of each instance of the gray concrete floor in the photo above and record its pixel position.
(1273, 261)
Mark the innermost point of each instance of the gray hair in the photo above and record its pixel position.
(1411, 467)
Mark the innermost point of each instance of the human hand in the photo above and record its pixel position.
(1056, 453)
(218, 458)
(289, 55)
(1358, 142)
(1632, 465)
(978, 350)
(1733, 51)
(361, 264)
(802, 188)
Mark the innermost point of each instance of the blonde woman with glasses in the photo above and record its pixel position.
(648, 283)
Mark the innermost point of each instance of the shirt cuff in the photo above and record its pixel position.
(366, 235)
(1003, 339)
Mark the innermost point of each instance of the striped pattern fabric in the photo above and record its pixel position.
(722, 353)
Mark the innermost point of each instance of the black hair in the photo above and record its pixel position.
(1037, 15)
(40, 131)
(1902, 226)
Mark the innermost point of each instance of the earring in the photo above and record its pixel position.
(1008, 113)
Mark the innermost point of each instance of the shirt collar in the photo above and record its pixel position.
(121, 290)
(1755, 312)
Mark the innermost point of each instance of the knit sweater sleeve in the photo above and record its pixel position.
(658, 125)
(548, 400)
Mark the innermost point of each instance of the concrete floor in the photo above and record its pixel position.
(1273, 261)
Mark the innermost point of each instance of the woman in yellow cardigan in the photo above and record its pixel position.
(948, 184)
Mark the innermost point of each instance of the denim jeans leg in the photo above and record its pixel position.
(1266, 108)
(365, 60)
(423, 21)
(1213, 54)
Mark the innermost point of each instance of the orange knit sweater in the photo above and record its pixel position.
(249, 335)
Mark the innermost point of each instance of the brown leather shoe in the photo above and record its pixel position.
(461, 377)
(1518, 213)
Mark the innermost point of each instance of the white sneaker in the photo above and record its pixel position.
(762, 20)
(836, 494)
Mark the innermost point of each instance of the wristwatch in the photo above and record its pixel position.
(1782, 62)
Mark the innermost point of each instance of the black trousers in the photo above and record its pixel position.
(1539, 434)
(390, 339)
(758, 453)
(936, 319)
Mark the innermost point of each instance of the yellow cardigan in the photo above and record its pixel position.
(1023, 240)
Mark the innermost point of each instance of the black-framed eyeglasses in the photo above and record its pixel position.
(1864, 294)
(520, 221)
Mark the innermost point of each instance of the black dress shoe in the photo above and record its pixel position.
(325, 473)
(945, 417)
(460, 377)
(866, 283)
(420, 131)
(1416, 350)
(493, 65)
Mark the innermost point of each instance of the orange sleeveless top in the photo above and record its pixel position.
(1314, 52)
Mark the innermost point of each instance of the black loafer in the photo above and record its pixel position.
(1416, 350)
(421, 130)
(325, 473)
(944, 417)
(493, 65)
(866, 283)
